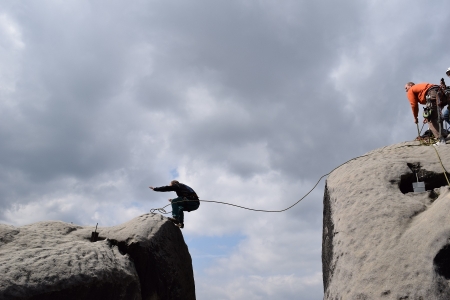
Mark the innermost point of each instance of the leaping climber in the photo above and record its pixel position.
(187, 200)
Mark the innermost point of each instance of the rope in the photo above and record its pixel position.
(418, 133)
(423, 141)
(437, 153)
(160, 210)
(163, 211)
(440, 160)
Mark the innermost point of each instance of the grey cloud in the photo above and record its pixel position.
(106, 98)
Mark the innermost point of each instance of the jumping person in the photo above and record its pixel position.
(187, 200)
(425, 94)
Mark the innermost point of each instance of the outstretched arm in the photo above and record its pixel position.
(167, 188)
(162, 189)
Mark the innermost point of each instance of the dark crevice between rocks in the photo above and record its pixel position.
(432, 180)
(122, 246)
(327, 241)
(145, 264)
(153, 257)
(442, 262)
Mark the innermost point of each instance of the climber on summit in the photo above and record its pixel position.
(426, 94)
(445, 111)
(187, 200)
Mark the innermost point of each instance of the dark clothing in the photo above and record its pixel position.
(182, 190)
(187, 199)
(182, 204)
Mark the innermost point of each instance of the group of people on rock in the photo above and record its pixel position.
(435, 98)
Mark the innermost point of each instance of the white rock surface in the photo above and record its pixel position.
(145, 258)
(379, 243)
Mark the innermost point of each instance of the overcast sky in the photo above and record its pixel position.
(248, 102)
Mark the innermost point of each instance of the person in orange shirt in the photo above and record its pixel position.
(425, 94)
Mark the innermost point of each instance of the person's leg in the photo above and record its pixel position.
(445, 115)
(434, 124)
(192, 205)
(435, 121)
(177, 209)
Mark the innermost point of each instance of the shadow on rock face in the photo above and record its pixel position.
(442, 262)
(432, 180)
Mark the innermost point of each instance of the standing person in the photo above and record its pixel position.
(445, 111)
(425, 94)
(187, 200)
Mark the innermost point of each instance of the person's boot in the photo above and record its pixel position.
(174, 220)
(441, 142)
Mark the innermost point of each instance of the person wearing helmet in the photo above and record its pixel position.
(425, 94)
(187, 200)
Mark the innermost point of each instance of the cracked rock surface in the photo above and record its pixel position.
(145, 258)
(380, 242)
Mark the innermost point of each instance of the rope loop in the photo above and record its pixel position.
(160, 210)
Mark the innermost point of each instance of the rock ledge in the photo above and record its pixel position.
(145, 258)
(380, 239)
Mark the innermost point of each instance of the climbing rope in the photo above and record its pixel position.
(440, 160)
(418, 133)
(437, 153)
(163, 211)
(423, 141)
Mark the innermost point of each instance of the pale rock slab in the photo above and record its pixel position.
(382, 243)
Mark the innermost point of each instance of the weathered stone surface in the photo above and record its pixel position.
(381, 240)
(145, 258)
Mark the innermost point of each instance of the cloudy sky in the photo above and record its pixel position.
(248, 102)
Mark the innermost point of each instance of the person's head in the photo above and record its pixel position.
(174, 182)
(408, 86)
(448, 72)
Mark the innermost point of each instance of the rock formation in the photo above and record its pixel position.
(145, 258)
(380, 239)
